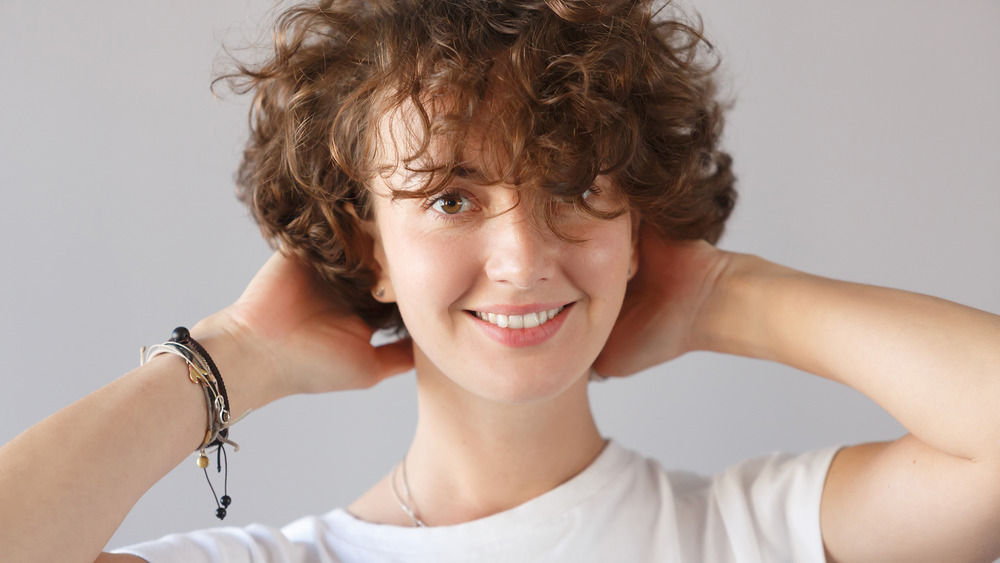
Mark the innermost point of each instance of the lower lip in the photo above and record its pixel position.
(524, 337)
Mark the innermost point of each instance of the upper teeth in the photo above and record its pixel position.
(530, 320)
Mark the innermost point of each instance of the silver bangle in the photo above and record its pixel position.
(218, 417)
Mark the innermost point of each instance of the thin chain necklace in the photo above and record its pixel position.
(408, 506)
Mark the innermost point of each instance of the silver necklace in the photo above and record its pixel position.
(408, 506)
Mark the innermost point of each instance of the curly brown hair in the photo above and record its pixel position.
(623, 88)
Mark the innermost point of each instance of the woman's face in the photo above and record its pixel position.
(498, 304)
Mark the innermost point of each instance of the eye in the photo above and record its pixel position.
(451, 204)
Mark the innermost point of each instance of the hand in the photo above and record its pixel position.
(665, 305)
(301, 339)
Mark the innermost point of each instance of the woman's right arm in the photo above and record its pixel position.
(67, 483)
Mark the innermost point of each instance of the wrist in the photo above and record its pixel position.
(243, 361)
(734, 317)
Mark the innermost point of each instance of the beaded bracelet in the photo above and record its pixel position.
(203, 371)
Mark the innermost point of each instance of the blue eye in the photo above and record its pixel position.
(451, 204)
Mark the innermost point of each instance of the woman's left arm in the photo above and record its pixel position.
(933, 495)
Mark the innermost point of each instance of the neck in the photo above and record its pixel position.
(472, 457)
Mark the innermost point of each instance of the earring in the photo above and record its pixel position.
(379, 293)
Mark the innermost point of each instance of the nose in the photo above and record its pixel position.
(521, 252)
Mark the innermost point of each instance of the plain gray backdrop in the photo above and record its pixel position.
(865, 137)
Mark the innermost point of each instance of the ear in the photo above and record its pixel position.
(382, 291)
(633, 261)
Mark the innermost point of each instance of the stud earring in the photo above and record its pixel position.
(379, 293)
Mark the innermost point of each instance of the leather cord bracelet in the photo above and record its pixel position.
(203, 371)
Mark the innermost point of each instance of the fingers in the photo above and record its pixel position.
(281, 275)
(394, 358)
(604, 369)
(616, 361)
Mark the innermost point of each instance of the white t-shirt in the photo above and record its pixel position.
(621, 508)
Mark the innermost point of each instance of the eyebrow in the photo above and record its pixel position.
(463, 171)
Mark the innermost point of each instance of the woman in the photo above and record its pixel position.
(450, 258)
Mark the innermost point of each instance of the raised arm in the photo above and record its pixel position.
(933, 495)
(67, 483)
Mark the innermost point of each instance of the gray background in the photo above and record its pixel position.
(865, 136)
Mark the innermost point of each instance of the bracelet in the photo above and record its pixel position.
(203, 371)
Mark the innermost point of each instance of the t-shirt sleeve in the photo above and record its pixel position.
(255, 543)
(768, 507)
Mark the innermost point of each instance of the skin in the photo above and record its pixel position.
(524, 425)
(488, 411)
(932, 495)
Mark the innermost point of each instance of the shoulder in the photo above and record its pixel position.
(767, 507)
(622, 507)
(255, 542)
(758, 480)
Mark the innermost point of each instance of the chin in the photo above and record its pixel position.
(503, 380)
(523, 387)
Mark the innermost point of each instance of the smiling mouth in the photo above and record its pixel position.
(530, 320)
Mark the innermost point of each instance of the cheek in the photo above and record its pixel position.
(427, 271)
(604, 261)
